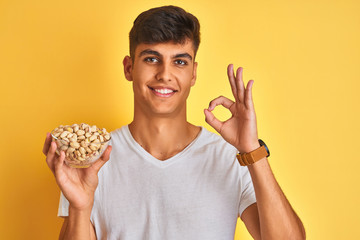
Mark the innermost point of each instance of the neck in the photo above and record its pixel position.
(163, 137)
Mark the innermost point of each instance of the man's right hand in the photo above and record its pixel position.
(77, 184)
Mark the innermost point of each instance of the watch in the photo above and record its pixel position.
(246, 159)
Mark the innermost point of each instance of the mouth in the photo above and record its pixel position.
(162, 91)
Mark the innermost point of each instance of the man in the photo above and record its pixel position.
(166, 178)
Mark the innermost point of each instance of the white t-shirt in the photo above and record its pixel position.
(196, 194)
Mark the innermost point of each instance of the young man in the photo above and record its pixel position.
(166, 178)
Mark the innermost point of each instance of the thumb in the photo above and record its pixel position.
(103, 159)
(212, 120)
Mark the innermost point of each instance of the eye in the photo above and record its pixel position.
(151, 60)
(180, 62)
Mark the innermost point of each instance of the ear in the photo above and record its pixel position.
(193, 80)
(127, 62)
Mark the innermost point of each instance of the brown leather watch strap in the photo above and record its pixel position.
(246, 159)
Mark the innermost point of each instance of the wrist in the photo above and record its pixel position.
(260, 152)
(246, 148)
(83, 211)
(78, 224)
(83, 207)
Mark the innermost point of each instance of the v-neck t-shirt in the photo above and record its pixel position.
(197, 194)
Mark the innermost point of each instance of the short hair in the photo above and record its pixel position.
(164, 24)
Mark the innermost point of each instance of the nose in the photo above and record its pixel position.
(164, 72)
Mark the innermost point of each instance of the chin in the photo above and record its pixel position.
(165, 112)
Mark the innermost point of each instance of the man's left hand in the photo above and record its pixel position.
(240, 129)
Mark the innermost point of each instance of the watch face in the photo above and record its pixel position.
(261, 142)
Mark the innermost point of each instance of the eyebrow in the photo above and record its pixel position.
(156, 53)
(183, 55)
(149, 52)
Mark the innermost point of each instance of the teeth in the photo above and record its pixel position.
(163, 91)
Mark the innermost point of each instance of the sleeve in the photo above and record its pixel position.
(63, 210)
(247, 192)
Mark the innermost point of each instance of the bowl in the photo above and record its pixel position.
(83, 144)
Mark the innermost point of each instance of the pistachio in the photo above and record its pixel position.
(75, 127)
(69, 151)
(63, 148)
(94, 147)
(82, 150)
(64, 134)
(56, 134)
(75, 145)
(82, 137)
(80, 132)
(83, 144)
(107, 136)
(88, 150)
(93, 137)
(80, 142)
(73, 139)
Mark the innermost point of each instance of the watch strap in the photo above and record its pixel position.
(246, 159)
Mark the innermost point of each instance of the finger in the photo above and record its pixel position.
(231, 76)
(59, 162)
(47, 143)
(50, 158)
(227, 103)
(104, 158)
(212, 120)
(248, 95)
(240, 84)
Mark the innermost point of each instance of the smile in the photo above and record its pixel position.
(163, 92)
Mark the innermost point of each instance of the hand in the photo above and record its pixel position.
(240, 129)
(77, 184)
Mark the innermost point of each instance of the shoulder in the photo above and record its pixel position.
(214, 140)
(121, 146)
(119, 138)
(215, 147)
(119, 133)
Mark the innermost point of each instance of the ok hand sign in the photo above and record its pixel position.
(240, 130)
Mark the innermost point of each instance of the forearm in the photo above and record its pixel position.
(277, 218)
(78, 226)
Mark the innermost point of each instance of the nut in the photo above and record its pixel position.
(93, 137)
(80, 142)
(82, 137)
(83, 144)
(75, 145)
(64, 134)
(80, 132)
(82, 150)
(107, 136)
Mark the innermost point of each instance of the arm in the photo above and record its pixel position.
(66, 229)
(78, 186)
(272, 217)
(274, 210)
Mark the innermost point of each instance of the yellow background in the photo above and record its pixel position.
(61, 63)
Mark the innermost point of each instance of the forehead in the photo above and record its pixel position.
(167, 48)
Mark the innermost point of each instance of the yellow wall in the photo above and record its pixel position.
(61, 62)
